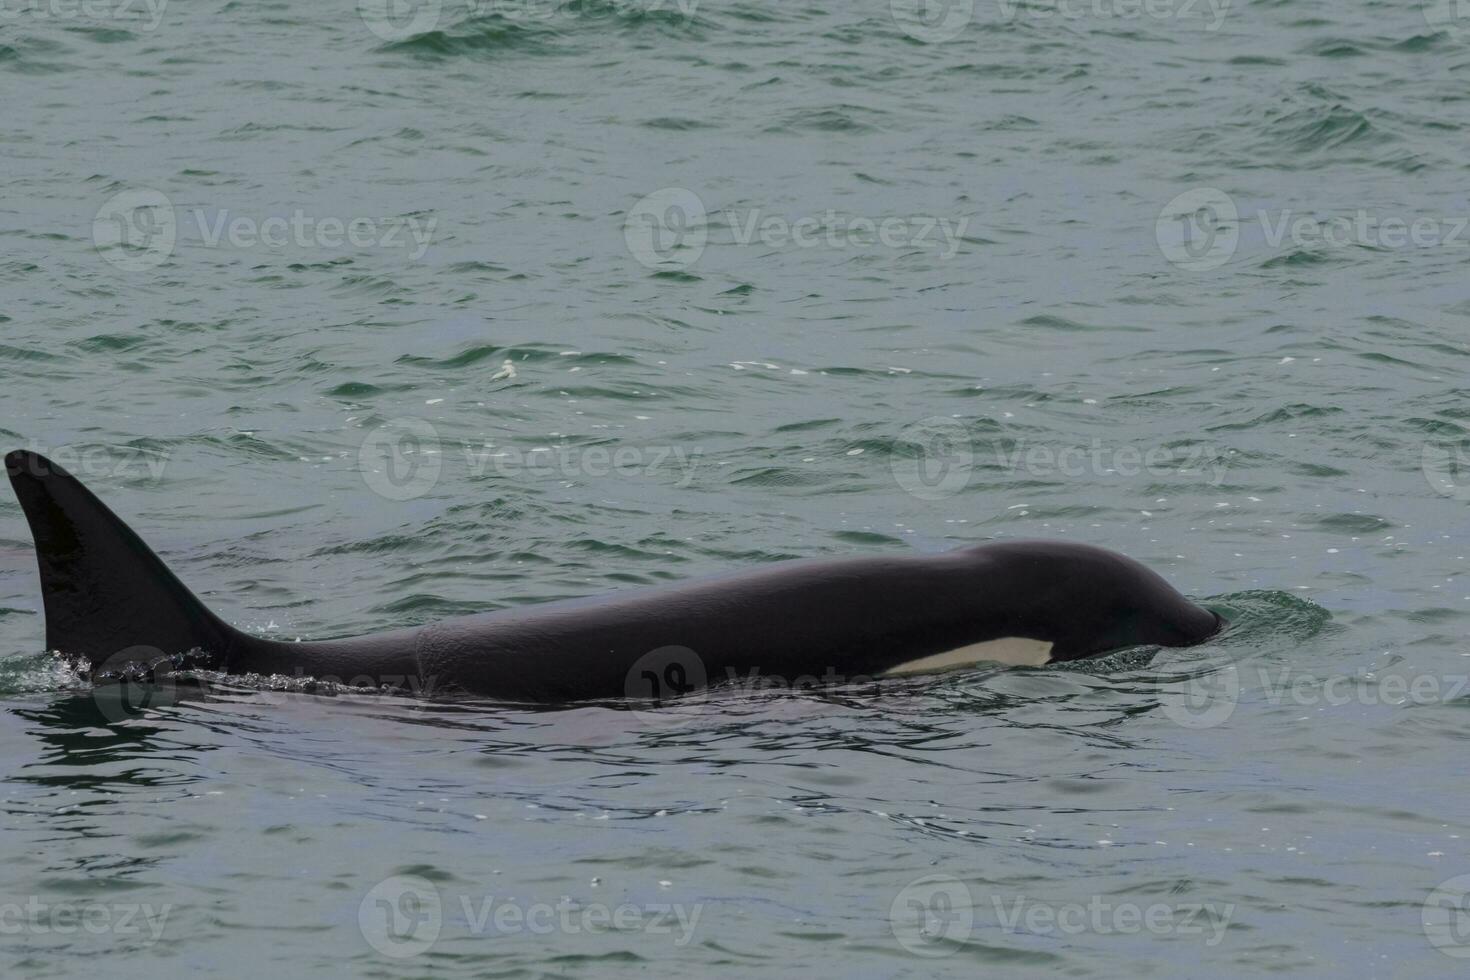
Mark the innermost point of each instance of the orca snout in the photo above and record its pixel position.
(1197, 625)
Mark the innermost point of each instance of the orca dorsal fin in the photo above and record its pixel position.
(108, 597)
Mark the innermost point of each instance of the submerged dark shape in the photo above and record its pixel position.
(110, 600)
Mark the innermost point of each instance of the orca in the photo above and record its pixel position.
(111, 602)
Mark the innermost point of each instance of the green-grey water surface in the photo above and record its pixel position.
(368, 317)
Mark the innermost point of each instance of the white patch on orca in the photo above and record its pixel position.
(1016, 651)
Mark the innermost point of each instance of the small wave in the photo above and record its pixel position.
(40, 672)
(483, 36)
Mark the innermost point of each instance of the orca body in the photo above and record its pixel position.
(111, 601)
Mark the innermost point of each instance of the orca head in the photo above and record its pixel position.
(1176, 624)
(1088, 601)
